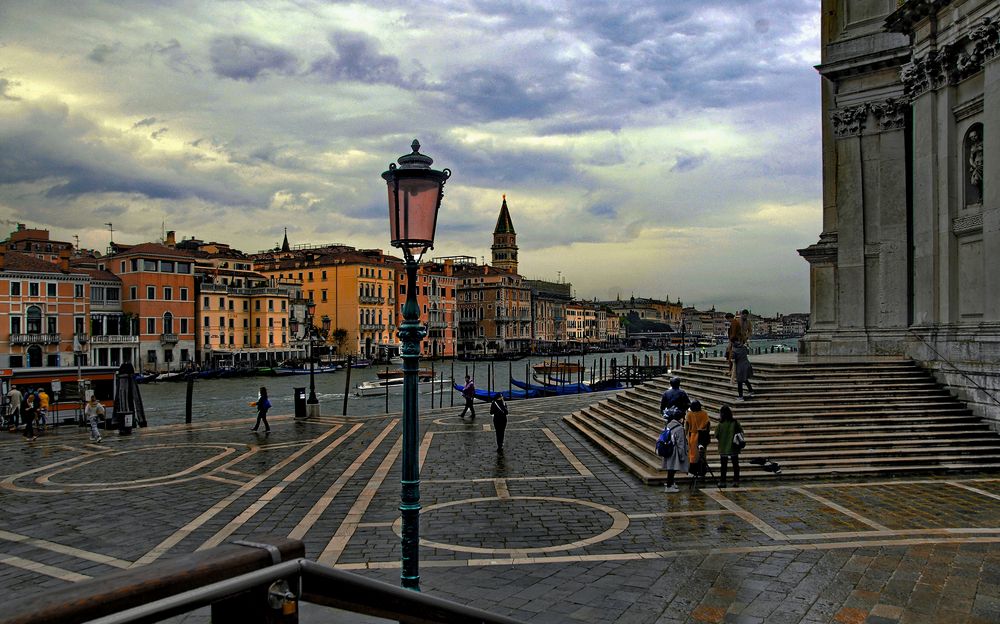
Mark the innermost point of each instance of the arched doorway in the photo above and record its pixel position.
(34, 356)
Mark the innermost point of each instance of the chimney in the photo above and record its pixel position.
(171, 239)
(64, 255)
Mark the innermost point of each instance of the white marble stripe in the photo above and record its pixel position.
(320, 506)
(175, 538)
(63, 549)
(762, 526)
(568, 454)
(233, 525)
(844, 510)
(41, 568)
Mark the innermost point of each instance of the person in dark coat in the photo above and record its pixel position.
(725, 433)
(262, 404)
(498, 408)
(744, 371)
(675, 397)
(469, 394)
(28, 415)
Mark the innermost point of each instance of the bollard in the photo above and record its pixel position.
(347, 383)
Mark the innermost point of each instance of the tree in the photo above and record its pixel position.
(339, 336)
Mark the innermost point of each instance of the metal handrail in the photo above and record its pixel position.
(956, 368)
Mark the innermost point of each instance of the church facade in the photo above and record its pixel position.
(908, 260)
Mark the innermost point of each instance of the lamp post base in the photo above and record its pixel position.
(312, 410)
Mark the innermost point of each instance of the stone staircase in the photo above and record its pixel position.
(821, 419)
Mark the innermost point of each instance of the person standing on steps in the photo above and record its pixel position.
(262, 404)
(697, 428)
(92, 412)
(725, 433)
(746, 327)
(469, 394)
(498, 408)
(744, 371)
(674, 397)
(678, 460)
(735, 331)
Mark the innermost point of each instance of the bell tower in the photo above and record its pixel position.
(504, 241)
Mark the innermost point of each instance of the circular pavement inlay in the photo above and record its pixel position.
(517, 525)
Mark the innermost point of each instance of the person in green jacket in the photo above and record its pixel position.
(725, 431)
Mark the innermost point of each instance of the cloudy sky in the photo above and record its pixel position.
(647, 148)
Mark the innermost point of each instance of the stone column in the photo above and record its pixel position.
(892, 248)
(925, 211)
(991, 188)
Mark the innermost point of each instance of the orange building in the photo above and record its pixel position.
(494, 309)
(437, 291)
(42, 305)
(158, 290)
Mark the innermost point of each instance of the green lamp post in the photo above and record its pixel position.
(415, 192)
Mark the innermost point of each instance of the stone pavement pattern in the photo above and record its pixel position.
(551, 531)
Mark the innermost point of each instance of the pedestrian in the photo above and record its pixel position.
(674, 397)
(43, 408)
(746, 327)
(92, 413)
(678, 459)
(262, 404)
(14, 400)
(469, 394)
(735, 331)
(743, 370)
(696, 426)
(725, 433)
(498, 408)
(28, 415)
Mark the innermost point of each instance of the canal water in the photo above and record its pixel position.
(218, 399)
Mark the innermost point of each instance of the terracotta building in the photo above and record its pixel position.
(494, 310)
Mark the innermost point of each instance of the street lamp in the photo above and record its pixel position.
(312, 403)
(415, 192)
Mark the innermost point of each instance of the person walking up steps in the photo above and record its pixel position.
(744, 371)
(498, 408)
(469, 394)
(262, 404)
(92, 412)
(725, 433)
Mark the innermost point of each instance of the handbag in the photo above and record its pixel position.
(739, 441)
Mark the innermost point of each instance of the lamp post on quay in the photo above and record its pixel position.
(312, 403)
(415, 192)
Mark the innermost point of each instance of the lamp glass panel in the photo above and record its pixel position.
(418, 210)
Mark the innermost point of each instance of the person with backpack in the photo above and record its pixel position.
(262, 404)
(498, 408)
(675, 397)
(672, 447)
(729, 433)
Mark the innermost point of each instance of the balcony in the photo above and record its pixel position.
(437, 325)
(168, 338)
(372, 327)
(114, 339)
(28, 339)
(371, 300)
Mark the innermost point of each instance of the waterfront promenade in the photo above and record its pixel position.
(552, 531)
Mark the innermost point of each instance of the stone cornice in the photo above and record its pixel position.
(822, 252)
(910, 12)
(953, 62)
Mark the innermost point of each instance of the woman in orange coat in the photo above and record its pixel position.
(696, 423)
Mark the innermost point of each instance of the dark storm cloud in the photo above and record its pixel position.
(173, 56)
(46, 145)
(146, 121)
(686, 161)
(5, 86)
(357, 58)
(490, 94)
(244, 58)
(102, 52)
(494, 163)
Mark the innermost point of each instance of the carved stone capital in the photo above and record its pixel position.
(890, 113)
(954, 62)
(850, 121)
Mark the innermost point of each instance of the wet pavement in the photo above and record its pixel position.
(551, 531)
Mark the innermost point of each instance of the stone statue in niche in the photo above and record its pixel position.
(974, 165)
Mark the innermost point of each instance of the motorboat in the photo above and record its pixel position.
(381, 386)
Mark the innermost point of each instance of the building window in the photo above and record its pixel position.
(205, 303)
(51, 326)
(15, 289)
(231, 304)
(17, 361)
(184, 267)
(151, 356)
(168, 323)
(34, 316)
(135, 264)
(166, 266)
(270, 322)
(184, 329)
(322, 296)
(270, 305)
(184, 355)
(256, 305)
(151, 326)
(133, 292)
(150, 292)
(324, 275)
(246, 325)
(208, 322)
(168, 355)
(246, 305)
(208, 339)
(168, 293)
(78, 291)
(310, 276)
(283, 302)
(149, 265)
(257, 320)
(222, 303)
(184, 294)
(232, 323)
(32, 289)
(15, 324)
(50, 289)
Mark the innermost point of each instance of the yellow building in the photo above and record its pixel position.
(353, 290)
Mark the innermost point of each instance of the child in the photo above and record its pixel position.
(93, 410)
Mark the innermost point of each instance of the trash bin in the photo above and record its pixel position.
(300, 402)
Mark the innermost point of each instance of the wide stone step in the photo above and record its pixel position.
(759, 405)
